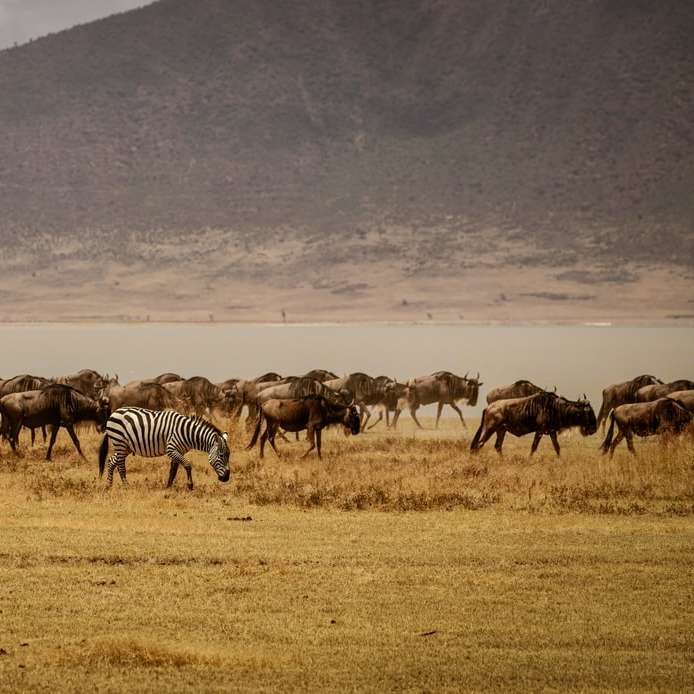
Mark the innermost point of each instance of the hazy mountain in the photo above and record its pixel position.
(347, 146)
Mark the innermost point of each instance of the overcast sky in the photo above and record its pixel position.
(21, 20)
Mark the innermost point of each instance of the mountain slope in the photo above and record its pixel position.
(403, 136)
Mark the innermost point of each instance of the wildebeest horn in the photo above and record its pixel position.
(466, 373)
(478, 376)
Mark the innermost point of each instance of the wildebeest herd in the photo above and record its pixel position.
(171, 415)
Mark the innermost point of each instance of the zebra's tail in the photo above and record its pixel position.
(103, 453)
(258, 426)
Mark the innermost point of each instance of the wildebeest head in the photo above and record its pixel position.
(219, 457)
(581, 414)
(103, 412)
(352, 420)
(472, 387)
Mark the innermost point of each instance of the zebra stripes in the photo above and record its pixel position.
(151, 433)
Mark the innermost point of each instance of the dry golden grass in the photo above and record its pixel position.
(398, 563)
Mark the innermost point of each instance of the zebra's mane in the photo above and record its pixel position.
(207, 423)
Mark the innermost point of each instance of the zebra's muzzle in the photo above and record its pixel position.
(224, 477)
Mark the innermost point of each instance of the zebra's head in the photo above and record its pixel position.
(219, 457)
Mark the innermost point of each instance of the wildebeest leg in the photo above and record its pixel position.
(413, 414)
(536, 442)
(366, 416)
(75, 440)
(54, 434)
(271, 433)
(263, 439)
(555, 443)
(318, 442)
(33, 437)
(439, 409)
(396, 416)
(500, 436)
(43, 432)
(172, 472)
(380, 417)
(387, 417)
(312, 439)
(630, 442)
(460, 413)
(485, 437)
(616, 442)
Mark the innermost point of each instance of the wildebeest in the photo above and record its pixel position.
(55, 405)
(167, 378)
(87, 381)
(294, 388)
(543, 413)
(383, 397)
(147, 394)
(321, 375)
(22, 383)
(662, 416)
(622, 393)
(443, 388)
(661, 390)
(519, 389)
(201, 396)
(312, 413)
(247, 393)
(686, 397)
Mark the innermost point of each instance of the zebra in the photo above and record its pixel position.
(152, 433)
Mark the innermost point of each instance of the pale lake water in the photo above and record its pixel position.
(576, 359)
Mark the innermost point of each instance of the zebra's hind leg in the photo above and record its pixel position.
(172, 473)
(116, 461)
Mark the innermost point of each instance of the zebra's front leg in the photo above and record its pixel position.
(178, 459)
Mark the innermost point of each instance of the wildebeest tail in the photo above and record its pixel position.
(103, 453)
(604, 411)
(610, 433)
(476, 438)
(258, 426)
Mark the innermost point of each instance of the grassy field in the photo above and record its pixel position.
(398, 563)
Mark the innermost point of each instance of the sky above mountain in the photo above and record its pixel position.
(23, 20)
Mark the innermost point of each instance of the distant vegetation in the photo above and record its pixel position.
(567, 124)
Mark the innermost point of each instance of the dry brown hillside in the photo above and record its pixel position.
(344, 149)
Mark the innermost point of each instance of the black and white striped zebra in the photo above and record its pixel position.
(151, 433)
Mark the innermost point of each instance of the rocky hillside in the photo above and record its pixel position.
(426, 135)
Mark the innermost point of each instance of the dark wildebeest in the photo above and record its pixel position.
(664, 416)
(383, 397)
(443, 388)
(146, 394)
(87, 381)
(247, 393)
(543, 413)
(662, 390)
(519, 389)
(360, 387)
(320, 375)
(312, 413)
(686, 397)
(621, 394)
(55, 405)
(205, 397)
(22, 384)
(167, 378)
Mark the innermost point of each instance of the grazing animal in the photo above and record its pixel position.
(442, 388)
(22, 384)
(150, 433)
(543, 413)
(147, 394)
(662, 390)
(622, 393)
(87, 381)
(320, 375)
(55, 405)
(664, 416)
(167, 378)
(384, 398)
(685, 397)
(205, 397)
(519, 389)
(312, 413)
(247, 393)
